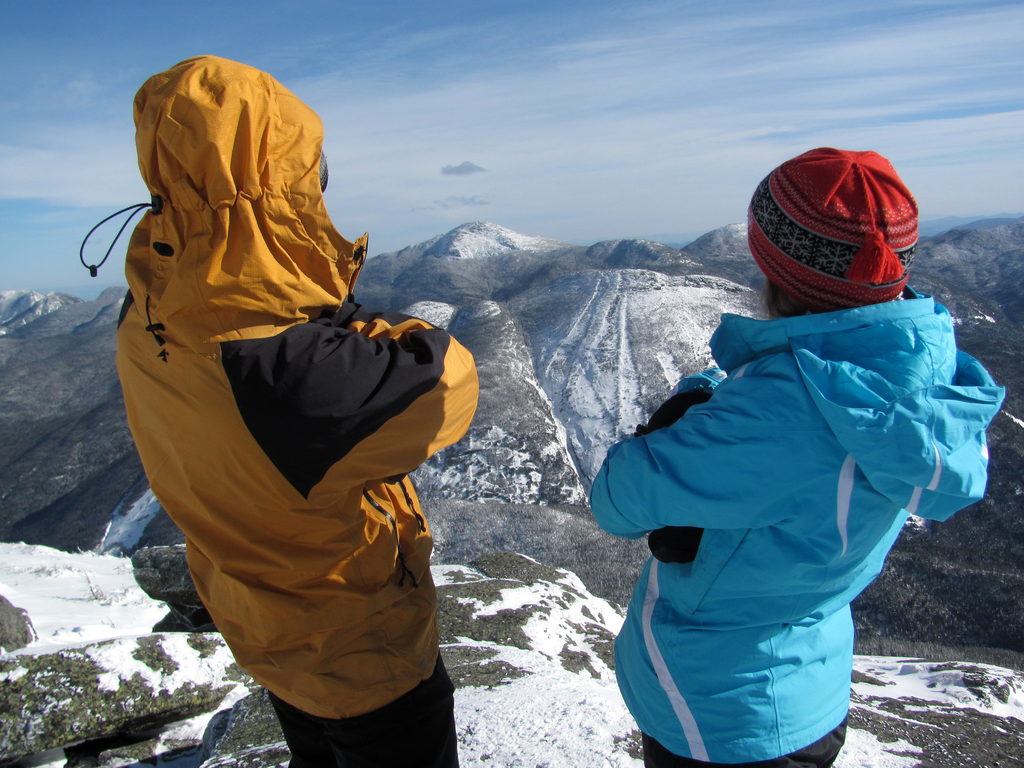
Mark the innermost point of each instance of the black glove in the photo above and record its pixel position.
(669, 411)
(675, 543)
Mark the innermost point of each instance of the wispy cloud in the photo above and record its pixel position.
(462, 169)
(670, 127)
(621, 119)
(453, 203)
(83, 165)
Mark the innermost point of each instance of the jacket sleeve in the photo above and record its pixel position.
(376, 394)
(726, 464)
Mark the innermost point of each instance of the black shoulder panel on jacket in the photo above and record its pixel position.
(126, 304)
(311, 393)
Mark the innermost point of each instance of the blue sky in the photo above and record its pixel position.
(580, 121)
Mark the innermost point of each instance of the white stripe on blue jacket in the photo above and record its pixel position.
(802, 471)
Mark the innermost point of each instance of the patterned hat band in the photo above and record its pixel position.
(823, 254)
(834, 229)
(818, 291)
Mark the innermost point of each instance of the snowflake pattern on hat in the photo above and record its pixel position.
(834, 229)
(823, 254)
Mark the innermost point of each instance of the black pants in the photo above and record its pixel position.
(820, 754)
(416, 730)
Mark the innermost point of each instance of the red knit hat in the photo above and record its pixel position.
(834, 229)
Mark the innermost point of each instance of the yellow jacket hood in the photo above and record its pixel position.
(243, 245)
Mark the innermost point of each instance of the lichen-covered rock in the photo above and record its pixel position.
(943, 714)
(113, 687)
(16, 630)
(530, 651)
(509, 565)
(478, 667)
(940, 735)
(247, 736)
(162, 573)
(507, 602)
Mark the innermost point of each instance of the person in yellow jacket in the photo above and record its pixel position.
(276, 419)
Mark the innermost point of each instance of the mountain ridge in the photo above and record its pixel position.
(575, 345)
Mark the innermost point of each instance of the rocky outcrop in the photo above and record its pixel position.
(530, 651)
(510, 602)
(163, 574)
(106, 689)
(511, 628)
(16, 630)
(246, 736)
(957, 717)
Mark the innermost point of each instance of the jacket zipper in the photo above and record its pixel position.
(398, 547)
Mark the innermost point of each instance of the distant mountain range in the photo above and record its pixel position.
(575, 346)
(930, 227)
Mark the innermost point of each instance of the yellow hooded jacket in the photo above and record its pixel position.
(275, 418)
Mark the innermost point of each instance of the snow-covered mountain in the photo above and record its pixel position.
(528, 647)
(610, 345)
(516, 448)
(568, 369)
(575, 345)
(19, 308)
(479, 240)
(484, 240)
(989, 261)
(66, 457)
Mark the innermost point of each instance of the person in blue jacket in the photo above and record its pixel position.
(775, 497)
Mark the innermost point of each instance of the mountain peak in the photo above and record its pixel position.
(482, 240)
(18, 308)
(728, 241)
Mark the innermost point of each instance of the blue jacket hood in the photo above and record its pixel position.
(887, 370)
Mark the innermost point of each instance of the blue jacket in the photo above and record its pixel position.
(802, 467)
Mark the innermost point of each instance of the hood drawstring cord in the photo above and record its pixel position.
(154, 328)
(156, 205)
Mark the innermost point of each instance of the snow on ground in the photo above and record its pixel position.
(548, 718)
(864, 750)
(192, 666)
(551, 717)
(75, 598)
